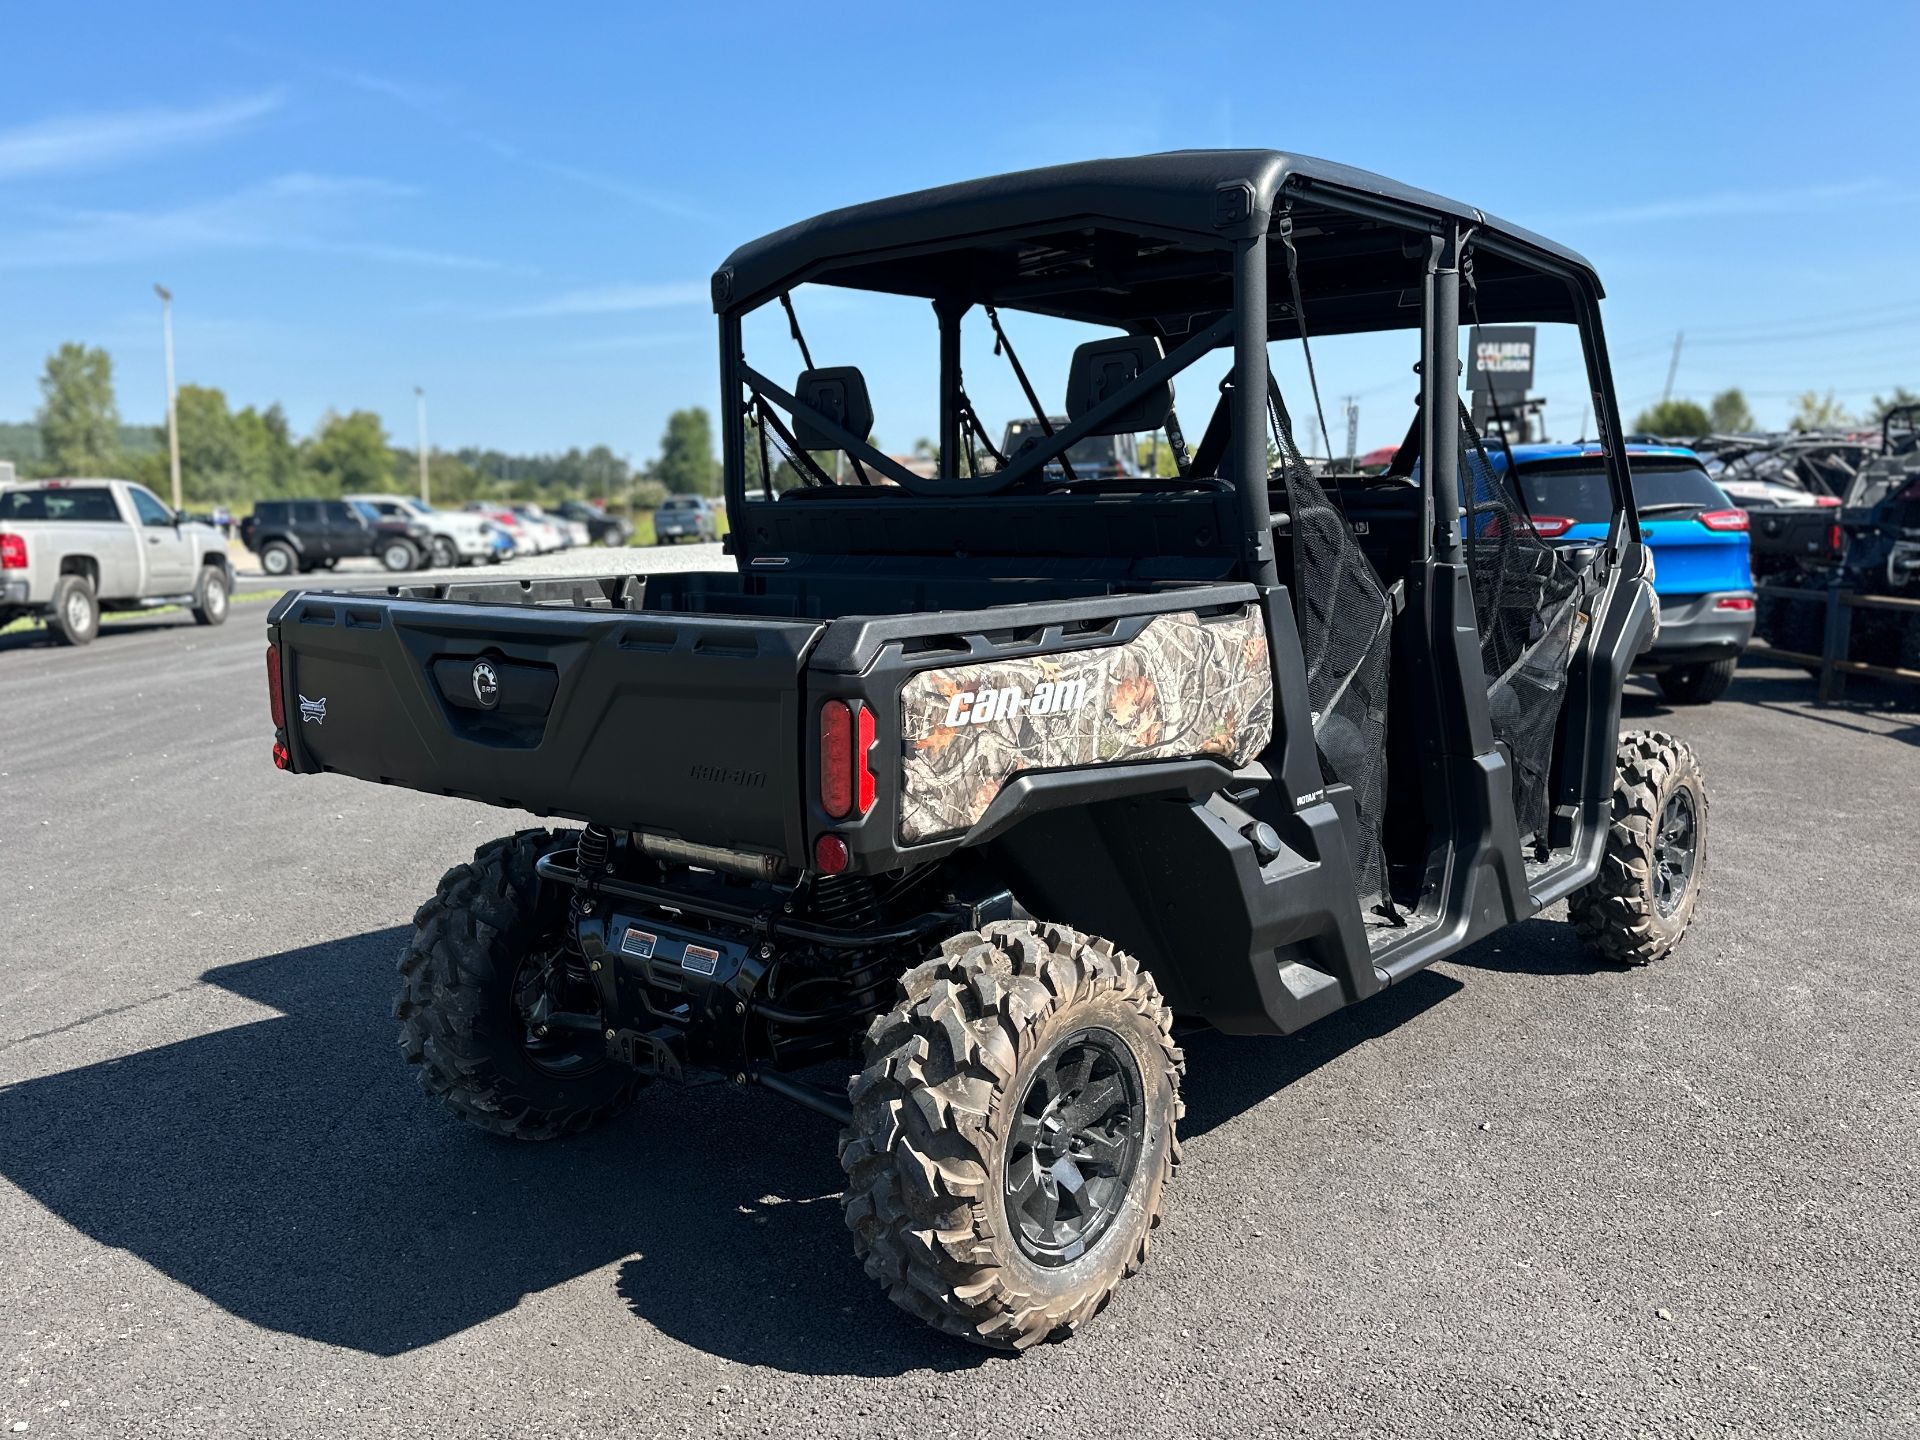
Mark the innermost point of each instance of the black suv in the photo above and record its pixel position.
(303, 535)
(602, 528)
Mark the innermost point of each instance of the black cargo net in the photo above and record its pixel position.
(1346, 629)
(1528, 602)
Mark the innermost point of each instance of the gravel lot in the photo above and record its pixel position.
(1513, 1196)
(587, 560)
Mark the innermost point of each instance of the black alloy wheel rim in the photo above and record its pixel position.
(564, 1052)
(1676, 844)
(1074, 1146)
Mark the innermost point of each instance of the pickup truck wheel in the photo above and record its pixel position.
(278, 559)
(74, 618)
(1643, 899)
(399, 555)
(445, 555)
(210, 597)
(491, 939)
(1699, 684)
(1013, 1133)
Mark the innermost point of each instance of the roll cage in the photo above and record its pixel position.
(1197, 252)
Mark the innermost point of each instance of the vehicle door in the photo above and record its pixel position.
(169, 551)
(347, 530)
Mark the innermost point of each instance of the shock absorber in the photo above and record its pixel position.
(592, 857)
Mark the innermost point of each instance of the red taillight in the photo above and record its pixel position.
(829, 854)
(1734, 602)
(846, 772)
(836, 758)
(1724, 519)
(282, 757)
(1834, 539)
(1550, 527)
(862, 763)
(276, 706)
(13, 552)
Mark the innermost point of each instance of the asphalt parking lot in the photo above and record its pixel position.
(1513, 1196)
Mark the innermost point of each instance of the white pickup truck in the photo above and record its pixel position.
(72, 548)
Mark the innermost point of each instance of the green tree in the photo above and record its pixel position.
(1729, 413)
(79, 420)
(1675, 419)
(280, 457)
(1817, 412)
(1156, 459)
(686, 465)
(349, 454)
(1900, 396)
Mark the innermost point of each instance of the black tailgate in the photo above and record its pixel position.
(688, 725)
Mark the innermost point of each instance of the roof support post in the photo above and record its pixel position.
(733, 431)
(1250, 407)
(949, 313)
(1440, 396)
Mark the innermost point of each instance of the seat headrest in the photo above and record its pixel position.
(1103, 367)
(840, 393)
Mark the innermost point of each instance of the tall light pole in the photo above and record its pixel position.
(173, 419)
(420, 400)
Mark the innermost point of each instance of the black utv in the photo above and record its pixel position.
(1874, 552)
(977, 785)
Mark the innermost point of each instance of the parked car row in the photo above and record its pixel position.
(402, 533)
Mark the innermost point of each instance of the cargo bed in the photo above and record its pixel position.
(674, 704)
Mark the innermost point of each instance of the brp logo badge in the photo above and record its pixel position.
(486, 684)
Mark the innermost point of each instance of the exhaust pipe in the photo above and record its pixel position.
(751, 864)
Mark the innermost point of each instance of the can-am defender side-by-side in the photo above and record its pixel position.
(974, 783)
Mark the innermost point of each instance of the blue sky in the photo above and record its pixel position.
(518, 207)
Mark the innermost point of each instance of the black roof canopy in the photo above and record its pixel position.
(1144, 244)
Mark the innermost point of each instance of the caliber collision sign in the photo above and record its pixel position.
(1500, 358)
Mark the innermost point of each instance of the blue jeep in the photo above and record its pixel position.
(1699, 540)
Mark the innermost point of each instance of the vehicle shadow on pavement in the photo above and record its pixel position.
(289, 1170)
(1228, 1075)
(1793, 693)
(37, 638)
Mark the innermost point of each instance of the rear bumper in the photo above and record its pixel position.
(471, 544)
(1693, 630)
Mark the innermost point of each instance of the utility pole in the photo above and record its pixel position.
(1673, 366)
(1352, 405)
(173, 418)
(420, 401)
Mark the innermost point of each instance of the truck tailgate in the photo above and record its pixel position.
(686, 725)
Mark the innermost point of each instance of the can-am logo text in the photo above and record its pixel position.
(988, 704)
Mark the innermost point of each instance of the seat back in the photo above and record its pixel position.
(838, 392)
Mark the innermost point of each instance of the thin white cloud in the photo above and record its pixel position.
(312, 214)
(1726, 203)
(106, 138)
(622, 299)
(432, 105)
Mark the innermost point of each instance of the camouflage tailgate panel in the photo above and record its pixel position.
(1183, 687)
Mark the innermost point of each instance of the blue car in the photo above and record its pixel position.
(1698, 536)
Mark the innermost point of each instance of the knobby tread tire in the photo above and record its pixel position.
(1615, 915)
(944, 1072)
(458, 1018)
